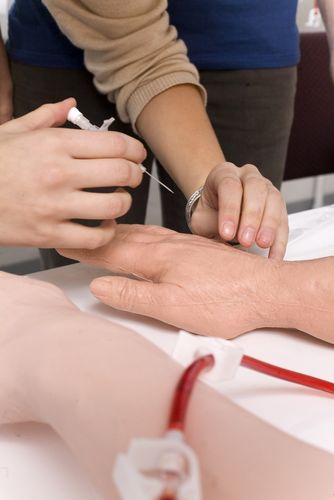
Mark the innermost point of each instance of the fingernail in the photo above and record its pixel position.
(100, 286)
(247, 236)
(228, 230)
(265, 237)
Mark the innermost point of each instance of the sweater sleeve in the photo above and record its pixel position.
(129, 46)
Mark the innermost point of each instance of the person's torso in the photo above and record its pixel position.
(34, 38)
(219, 34)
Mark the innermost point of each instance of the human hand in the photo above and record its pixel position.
(240, 203)
(44, 171)
(188, 281)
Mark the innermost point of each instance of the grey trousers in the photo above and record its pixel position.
(251, 111)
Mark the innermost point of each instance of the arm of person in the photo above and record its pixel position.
(98, 385)
(6, 86)
(327, 13)
(138, 61)
(44, 171)
(212, 289)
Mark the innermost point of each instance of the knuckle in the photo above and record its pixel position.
(94, 241)
(223, 169)
(250, 169)
(119, 144)
(272, 221)
(115, 205)
(53, 176)
(254, 213)
(119, 204)
(128, 174)
(278, 199)
(43, 235)
(230, 182)
(260, 183)
(43, 209)
(49, 141)
(122, 172)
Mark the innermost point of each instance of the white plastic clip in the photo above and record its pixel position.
(154, 466)
(226, 353)
(77, 118)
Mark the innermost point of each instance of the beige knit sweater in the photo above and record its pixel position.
(129, 46)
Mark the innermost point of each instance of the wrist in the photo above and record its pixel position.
(280, 295)
(299, 295)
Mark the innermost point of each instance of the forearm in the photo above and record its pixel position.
(300, 295)
(327, 12)
(177, 128)
(5, 85)
(99, 385)
(155, 82)
(3, 59)
(130, 48)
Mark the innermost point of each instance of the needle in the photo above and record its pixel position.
(77, 118)
(143, 169)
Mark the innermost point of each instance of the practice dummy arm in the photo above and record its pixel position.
(98, 385)
(205, 287)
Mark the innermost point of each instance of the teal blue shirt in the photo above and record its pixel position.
(220, 34)
(238, 34)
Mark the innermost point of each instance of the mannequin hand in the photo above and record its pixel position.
(241, 203)
(191, 282)
(44, 172)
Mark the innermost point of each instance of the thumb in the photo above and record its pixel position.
(126, 294)
(204, 220)
(48, 115)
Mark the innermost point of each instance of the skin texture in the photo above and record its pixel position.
(43, 173)
(327, 13)
(98, 385)
(209, 288)
(236, 201)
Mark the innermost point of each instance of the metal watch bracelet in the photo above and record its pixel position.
(191, 204)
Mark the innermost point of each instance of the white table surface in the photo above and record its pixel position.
(31, 451)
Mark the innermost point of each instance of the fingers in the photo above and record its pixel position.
(257, 197)
(84, 205)
(264, 218)
(105, 173)
(278, 249)
(90, 144)
(72, 235)
(48, 115)
(249, 207)
(125, 294)
(132, 250)
(230, 194)
(274, 214)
